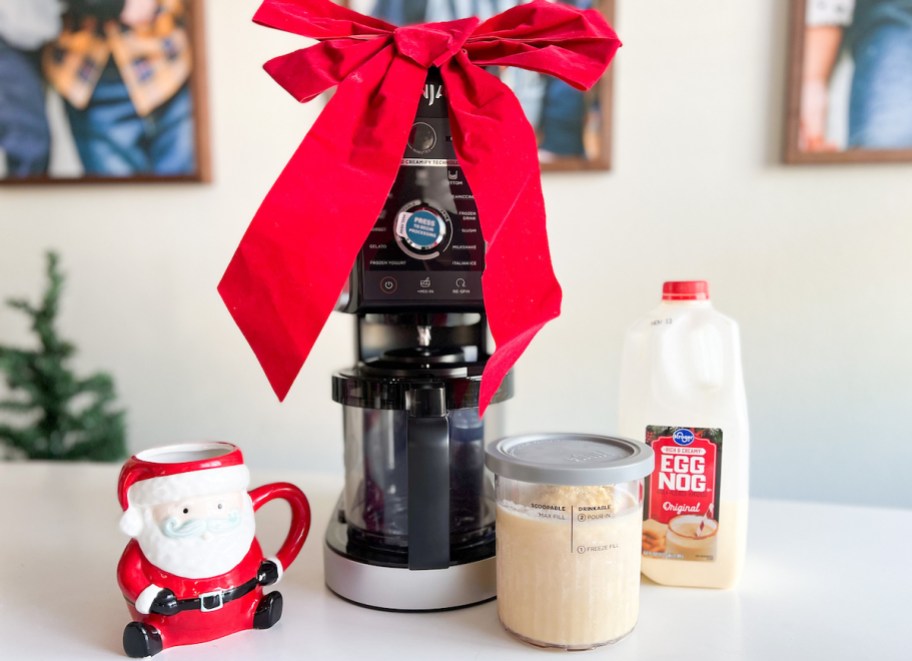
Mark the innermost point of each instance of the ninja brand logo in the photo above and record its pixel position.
(432, 92)
(683, 437)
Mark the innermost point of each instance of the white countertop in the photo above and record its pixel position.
(821, 582)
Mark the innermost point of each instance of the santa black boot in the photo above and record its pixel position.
(140, 640)
(269, 611)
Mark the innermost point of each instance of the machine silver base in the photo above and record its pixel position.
(402, 589)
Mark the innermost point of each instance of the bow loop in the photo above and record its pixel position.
(319, 20)
(544, 37)
(433, 44)
(307, 73)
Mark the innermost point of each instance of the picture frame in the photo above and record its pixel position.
(841, 104)
(152, 71)
(582, 121)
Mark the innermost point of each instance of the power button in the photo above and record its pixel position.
(388, 285)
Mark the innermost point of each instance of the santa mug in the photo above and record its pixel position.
(193, 570)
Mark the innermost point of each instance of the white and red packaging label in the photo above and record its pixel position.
(681, 505)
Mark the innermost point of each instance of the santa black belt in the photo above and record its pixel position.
(212, 601)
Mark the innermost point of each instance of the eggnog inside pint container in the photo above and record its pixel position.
(569, 525)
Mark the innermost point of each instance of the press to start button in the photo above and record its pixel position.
(389, 285)
(422, 231)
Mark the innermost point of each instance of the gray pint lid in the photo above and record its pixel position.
(572, 459)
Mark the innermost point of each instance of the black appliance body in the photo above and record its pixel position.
(414, 527)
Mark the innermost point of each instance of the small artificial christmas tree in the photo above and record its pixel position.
(59, 416)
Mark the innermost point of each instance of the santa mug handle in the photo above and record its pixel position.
(300, 516)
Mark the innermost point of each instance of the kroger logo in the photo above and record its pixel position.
(683, 436)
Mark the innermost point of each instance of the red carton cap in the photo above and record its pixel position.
(686, 290)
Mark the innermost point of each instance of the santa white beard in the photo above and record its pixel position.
(199, 556)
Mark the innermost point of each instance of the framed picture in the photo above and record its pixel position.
(573, 127)
(106, 91)
(850, 82)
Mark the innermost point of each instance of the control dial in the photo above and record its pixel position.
(422, 231)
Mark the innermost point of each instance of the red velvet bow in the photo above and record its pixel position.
(295, 257)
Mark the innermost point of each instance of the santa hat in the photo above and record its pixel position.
(174, 472)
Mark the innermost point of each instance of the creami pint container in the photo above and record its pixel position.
(569, 526)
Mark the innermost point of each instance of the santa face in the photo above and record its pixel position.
(198, 537)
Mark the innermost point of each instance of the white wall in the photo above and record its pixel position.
(813, 261)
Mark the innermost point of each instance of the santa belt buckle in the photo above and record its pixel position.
(212, 601)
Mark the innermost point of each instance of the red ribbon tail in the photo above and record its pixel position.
(498, 153)
(501, 363)
(293, 261)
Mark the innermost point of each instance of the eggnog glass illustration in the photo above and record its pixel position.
(691, 537)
